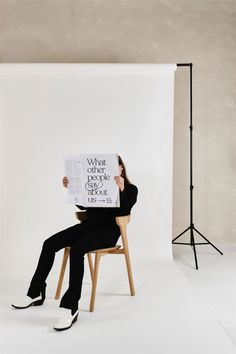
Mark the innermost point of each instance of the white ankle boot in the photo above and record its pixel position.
(27, 301)
(66, 319)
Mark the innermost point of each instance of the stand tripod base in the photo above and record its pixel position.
(192, 242)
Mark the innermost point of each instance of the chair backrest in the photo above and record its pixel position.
(122, 222)
(81, 215)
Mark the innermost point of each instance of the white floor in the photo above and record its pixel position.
(176, 310)
(214, 281)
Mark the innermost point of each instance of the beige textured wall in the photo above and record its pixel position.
(201, 32)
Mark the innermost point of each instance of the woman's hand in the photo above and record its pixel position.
(65, 182)
(120, 182)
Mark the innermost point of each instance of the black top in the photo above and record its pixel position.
(101, 216)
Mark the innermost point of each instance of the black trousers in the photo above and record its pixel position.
(82, 238)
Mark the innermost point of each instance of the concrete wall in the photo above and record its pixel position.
(145, 31)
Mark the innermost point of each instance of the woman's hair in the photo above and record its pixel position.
(123, 173)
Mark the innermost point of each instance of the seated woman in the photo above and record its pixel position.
(99, 230)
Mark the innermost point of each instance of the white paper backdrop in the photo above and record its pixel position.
(50, 110)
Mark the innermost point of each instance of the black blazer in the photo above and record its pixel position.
(106, 216)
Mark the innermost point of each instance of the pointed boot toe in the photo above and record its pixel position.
(66, 320)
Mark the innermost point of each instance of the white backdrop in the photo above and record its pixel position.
(50, 110)
(47, 111)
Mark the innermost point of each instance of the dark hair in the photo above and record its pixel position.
(123, 173)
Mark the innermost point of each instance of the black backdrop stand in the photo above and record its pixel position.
(192, 228)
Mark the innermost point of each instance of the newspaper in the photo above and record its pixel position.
(91, 180)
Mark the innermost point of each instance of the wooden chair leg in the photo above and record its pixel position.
(90, 261)
(130, 275)
(94, 283)
(62, 272)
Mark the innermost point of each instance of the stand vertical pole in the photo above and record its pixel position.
(192, 242)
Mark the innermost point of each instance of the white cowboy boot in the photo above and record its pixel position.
(27, 301)
(66, 320)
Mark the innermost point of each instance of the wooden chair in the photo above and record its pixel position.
(122, 221)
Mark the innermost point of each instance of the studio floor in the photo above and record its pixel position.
(176, 310)
(214, 281)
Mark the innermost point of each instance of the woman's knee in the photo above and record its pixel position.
(48, 244)
(77, 250)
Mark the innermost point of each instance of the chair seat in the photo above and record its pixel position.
(105, 249)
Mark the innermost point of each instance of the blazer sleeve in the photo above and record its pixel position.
(127, 199)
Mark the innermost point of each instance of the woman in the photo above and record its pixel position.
(99, 230)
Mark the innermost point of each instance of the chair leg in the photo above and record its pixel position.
(130, 275)
(94, 282)
(90, 260)
(62, 272)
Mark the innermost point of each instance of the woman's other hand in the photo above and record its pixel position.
(65, 182)
(120, 182)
